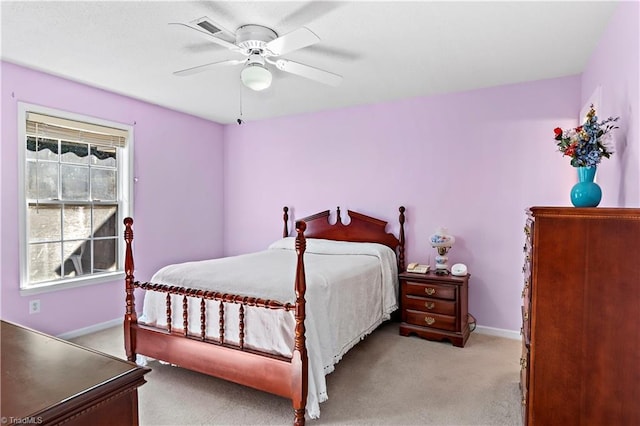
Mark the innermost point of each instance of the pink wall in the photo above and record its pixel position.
(178, 163)
(614, 66)
(471, 161)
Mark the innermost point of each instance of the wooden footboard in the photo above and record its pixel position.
(282, 376)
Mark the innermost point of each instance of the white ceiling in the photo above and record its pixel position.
(384, 50)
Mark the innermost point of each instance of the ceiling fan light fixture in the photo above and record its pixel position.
(256, 76)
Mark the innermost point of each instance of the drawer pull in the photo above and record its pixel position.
(429, 305)
(430, 291)
(429, 320)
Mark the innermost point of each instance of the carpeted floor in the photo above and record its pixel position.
(386, 379)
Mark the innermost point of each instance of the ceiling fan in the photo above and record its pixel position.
(261, 46)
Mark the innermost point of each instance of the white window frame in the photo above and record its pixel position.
(125, 202)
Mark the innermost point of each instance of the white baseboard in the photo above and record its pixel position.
(492, 331)
(501, 332)
(91, 329)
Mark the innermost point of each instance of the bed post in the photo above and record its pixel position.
(130, 316)
(285, 218)
(401, 245)
(299, 360)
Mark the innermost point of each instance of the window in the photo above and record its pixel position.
(75, 191)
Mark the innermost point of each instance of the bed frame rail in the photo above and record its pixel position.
(203, 296)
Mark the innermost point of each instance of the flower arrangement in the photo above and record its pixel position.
(587, 144)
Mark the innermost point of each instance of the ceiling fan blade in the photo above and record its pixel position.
(210, 37)
(309, 72)
(207, 67)
(297, 39)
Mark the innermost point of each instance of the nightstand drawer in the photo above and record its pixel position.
(424, 319)
(430, 305)
(430, 290)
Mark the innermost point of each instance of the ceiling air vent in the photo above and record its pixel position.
(207, 25)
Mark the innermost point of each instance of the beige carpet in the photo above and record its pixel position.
(386, 379)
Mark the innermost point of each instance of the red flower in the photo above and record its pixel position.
(558, 132)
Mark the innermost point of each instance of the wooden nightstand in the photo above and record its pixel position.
(435, 307)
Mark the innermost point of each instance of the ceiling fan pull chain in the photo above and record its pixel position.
(240, 121)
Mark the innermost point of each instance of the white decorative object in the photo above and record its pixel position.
(459, 270)
(442, 242)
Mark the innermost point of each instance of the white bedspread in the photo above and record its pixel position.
(351, 289)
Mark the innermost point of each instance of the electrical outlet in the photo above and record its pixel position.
(34, 306)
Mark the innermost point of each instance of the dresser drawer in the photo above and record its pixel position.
(524, 380)
(528, 253)
(526, 290)
(523, 408)
(424, 304)
(436, 291)
(526, 325)
(524, 368)
(424, 319)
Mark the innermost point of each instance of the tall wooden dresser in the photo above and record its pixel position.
(581, 317)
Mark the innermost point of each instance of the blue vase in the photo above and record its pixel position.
(586, 193)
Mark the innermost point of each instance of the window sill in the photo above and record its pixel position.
(72, 283)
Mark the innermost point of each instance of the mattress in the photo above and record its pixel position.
(351, 289)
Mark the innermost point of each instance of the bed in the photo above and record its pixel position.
(277, 320)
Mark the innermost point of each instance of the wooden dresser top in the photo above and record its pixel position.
(40, 372)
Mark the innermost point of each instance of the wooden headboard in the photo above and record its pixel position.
(361, 229)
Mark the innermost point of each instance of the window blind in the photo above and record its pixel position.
(46, 126)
